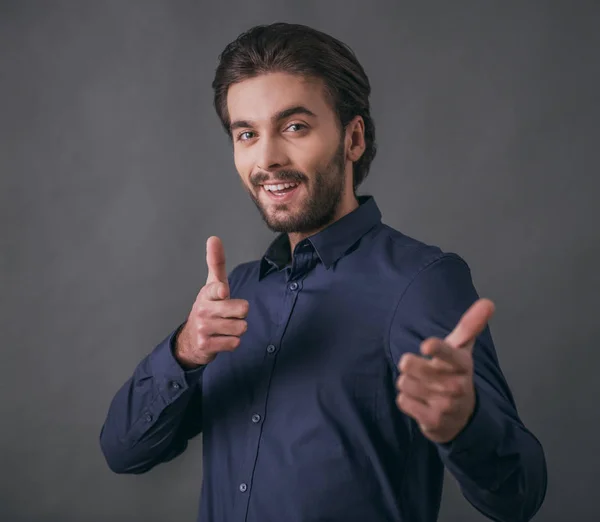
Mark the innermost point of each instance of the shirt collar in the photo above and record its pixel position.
(331, 243)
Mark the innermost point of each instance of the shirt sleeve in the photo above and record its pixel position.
(157, 410)
(154, 414)
(498, 463)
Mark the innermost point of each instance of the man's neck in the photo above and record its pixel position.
(344, 209)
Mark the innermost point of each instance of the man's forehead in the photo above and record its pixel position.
(265, 96)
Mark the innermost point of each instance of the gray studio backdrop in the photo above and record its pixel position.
(114, 171)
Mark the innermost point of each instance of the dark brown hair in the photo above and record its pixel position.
(298, 49)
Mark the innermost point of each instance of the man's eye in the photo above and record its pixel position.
(244, 136)
(298, 127)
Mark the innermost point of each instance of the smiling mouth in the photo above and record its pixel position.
(281, 191)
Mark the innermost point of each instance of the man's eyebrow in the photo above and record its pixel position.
(298, 109)
(281, 115)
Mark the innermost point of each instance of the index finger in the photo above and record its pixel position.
(472, 323)
(231, 308)
(215, 259)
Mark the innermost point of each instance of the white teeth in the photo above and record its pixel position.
(281, 186)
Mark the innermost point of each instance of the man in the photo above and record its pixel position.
(334, 378)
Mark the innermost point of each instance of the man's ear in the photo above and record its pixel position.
(355, 139)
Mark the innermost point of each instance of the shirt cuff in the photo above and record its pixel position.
(168, 373)
(480, 437)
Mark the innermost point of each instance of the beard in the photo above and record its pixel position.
(324, 195)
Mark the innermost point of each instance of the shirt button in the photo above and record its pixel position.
(175, 385)
(148, 417)
(293, 286)
(271, 348)
(243, 487)
(255, 418)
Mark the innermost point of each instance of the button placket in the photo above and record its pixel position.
(290, 294)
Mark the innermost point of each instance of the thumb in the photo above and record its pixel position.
(215, 259)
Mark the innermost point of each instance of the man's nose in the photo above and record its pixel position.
(271, 154)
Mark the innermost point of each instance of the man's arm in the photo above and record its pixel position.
(154, 414)
(498, 462)
(159, 408)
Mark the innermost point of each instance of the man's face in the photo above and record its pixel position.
(288, 150)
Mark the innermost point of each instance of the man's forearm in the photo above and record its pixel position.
(499, 464)
(153, 415)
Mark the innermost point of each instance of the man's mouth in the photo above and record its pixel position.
(281, 191)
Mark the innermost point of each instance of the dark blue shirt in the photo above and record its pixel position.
(300, 423)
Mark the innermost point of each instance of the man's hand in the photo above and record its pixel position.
(216, 322)
(439, 392)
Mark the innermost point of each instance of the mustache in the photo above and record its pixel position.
(281, 176)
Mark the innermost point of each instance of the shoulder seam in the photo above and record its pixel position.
(437, 259)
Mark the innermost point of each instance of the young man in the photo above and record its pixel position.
(334, 378)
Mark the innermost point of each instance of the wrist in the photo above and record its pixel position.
(179, 349)
(183, 352)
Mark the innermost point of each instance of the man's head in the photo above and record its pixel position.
(295, 103)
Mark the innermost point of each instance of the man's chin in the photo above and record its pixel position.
(287, 224)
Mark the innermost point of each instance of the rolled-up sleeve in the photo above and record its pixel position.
(498, 463)
(154, 414)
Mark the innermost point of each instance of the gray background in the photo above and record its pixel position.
(114, 171)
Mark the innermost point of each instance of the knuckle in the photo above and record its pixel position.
(405, 362)
(244, 307)
(203, 342)
(201, 308)
(202, 327)
(401, 382)
(401, 400)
